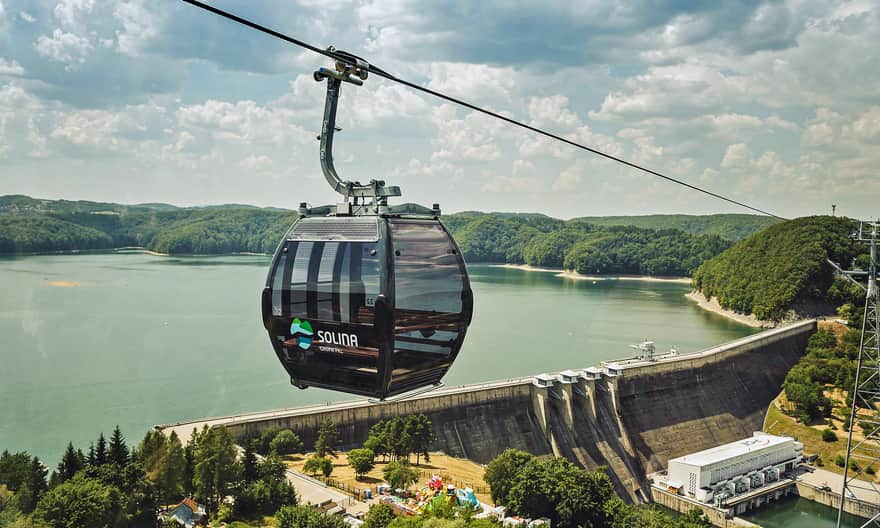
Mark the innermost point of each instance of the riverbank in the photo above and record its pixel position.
(570, 274)
(713, 306)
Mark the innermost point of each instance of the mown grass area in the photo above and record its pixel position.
(266, 522)
(779, 423)
(455, 471)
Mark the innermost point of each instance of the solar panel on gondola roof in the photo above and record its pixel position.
(362, 296)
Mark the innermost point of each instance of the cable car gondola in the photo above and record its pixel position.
(365, 297)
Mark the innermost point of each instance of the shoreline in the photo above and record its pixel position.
(131, 249)
(712, 305)
(571, 274)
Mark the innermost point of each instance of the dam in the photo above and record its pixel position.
(630, 416)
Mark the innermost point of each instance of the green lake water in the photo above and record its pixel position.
(93, 340)
(801, 513)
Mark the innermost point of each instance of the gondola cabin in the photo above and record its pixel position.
(372, 305)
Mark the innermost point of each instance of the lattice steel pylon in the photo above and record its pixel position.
(864, 452)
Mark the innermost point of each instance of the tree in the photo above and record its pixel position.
(101, 456)
(566, 494)
(400, 474)
(313, 465)
(397, 441)
(501, 473)
(286, 442)
(33, 487)
(361, 460)
(71, 462)
(249, 463)
(272, 469)
(379, 516)
(14, 468)
(81, 502)
(420, 433)
(269, 492)
(264, 440)
(306, 517)
(118, 450)
(327, 438)
(189, 468)
(164, 464)
(326, 467)
(216, 468)
(377, 441)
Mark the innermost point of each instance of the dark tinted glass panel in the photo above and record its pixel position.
(428, 280)
(327, 293)
(332, 281)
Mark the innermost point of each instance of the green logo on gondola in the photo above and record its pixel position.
(302, 331)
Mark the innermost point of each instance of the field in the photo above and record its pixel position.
(779, 423)
(457, 471)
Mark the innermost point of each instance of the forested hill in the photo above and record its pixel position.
(784, 268)
(30, 225)
(732, 227)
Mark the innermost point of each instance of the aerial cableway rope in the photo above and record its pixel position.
(382, 73)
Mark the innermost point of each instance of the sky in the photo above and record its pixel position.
(775, 104)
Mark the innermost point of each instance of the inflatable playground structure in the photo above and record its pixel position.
(433, 496)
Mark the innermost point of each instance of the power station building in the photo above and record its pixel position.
(720, 473)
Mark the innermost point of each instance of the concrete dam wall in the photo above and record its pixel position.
(631, 419)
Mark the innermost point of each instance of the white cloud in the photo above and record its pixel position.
(474, 82)
(10, 67)
(737, 156)
(256, 163)
(867, 126)
(470, 139)
(243, 122)
(27, 17)
(139, 26)
(511, 184)
(63, 47)
(69, 12)
(570, 178)
(818, 134)
(550, 111)
(521, 167)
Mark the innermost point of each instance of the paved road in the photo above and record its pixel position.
(863, 490)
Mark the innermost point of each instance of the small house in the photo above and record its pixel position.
(188, 513)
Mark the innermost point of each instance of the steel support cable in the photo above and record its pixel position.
(382, 73)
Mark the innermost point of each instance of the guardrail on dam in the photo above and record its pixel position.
(632, 419)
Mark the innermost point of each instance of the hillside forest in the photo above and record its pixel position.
(673, 245)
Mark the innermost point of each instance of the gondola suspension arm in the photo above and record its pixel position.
(354, 70)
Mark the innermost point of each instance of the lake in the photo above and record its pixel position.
(802, 514)
(94, 340)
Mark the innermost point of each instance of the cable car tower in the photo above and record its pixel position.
(860, 453)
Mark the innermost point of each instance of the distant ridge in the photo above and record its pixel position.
(624, 245)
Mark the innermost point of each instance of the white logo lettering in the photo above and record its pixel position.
(338, 338)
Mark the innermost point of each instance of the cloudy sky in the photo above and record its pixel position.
(773, 103)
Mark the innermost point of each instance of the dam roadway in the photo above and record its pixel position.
(631, 418)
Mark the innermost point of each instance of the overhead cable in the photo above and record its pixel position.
(382, 73)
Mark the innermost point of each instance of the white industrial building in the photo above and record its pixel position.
(725, 471)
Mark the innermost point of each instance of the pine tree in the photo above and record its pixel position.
(327, 438)
(118, 449)
(70, 463)
(250, 463)
(90, 458)
(33, 488)
(101, 451)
